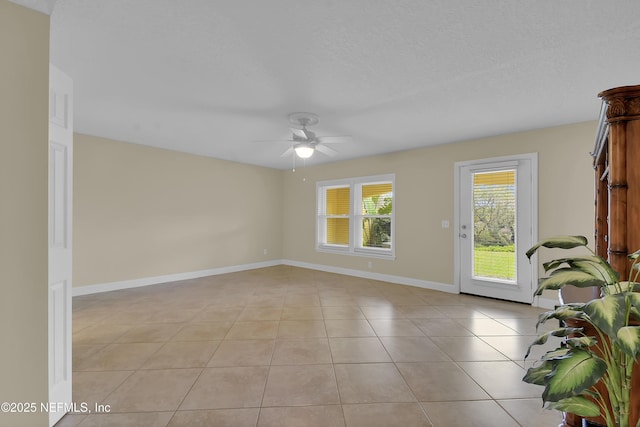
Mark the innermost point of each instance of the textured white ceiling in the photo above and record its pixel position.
(212, 76)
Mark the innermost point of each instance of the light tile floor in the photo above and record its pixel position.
(285, 346)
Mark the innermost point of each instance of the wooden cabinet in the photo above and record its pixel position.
(617, 166)
(616, 160)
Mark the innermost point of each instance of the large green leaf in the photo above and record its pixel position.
(540, 340)
(558, 353)
(607, 313)
(629, 340)
(633, 301)
(594, 265)
(568, 276)
(628, 286)
(572, 375)
(620, 287)
(565, 332)
(581, 342)
(601, 270)
(576, 405)
(537, 375)
(563, 312)
(633, 298)
(562, 242)
(560, 332)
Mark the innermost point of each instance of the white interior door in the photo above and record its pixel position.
(60, 225)
(497, 223)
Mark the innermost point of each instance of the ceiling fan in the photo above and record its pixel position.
(305, 142)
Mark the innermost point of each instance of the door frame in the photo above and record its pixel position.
(533, 158)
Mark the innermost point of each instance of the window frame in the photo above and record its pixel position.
(355, 217)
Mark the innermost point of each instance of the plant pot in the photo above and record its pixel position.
(572, 420)
(569, 294)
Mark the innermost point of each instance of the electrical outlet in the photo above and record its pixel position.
(370, 264)
(265, 251)
(445, 223)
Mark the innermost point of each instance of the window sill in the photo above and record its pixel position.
(366, 253)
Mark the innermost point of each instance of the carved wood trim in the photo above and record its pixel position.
(623, 103)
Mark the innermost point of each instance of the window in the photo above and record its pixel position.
(355, 216)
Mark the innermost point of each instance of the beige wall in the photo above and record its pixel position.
(425, 196)
(24, 82)
(142, 212)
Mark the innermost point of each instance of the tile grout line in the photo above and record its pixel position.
(266, 380)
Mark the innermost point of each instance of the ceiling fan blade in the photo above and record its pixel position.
(326, 150)
(300, 133)
(269, 141)
(334, 139)
(288, 152)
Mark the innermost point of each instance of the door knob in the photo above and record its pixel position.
(464, 236)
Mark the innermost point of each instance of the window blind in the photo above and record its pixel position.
(337, 210)
(494, 224)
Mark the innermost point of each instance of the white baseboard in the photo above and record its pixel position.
(401, 280)
(547, 303)
(156, 280)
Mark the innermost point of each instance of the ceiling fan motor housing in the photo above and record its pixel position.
(303, 119)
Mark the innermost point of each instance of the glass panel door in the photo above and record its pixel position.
(496, 219)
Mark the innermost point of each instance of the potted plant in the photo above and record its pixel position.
(590, 373)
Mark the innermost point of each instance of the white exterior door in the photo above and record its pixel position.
(60, 225)
(496, 223)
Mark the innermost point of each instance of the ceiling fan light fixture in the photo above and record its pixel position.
(303, 150)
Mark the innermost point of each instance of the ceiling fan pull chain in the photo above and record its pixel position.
(294, 163)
